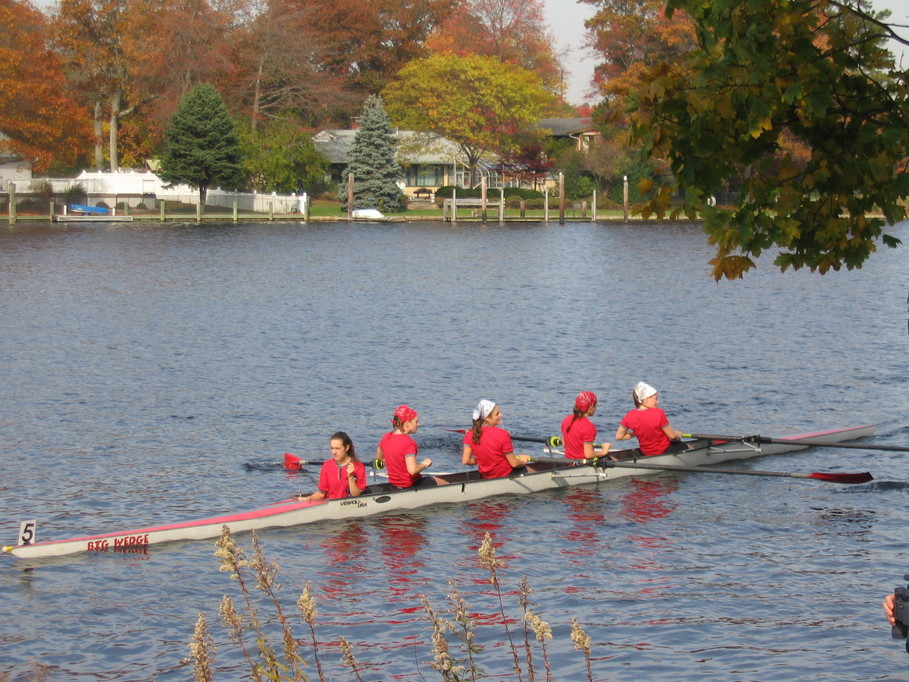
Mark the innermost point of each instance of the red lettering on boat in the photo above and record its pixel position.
(129, 540)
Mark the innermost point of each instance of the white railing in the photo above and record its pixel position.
(132, 187)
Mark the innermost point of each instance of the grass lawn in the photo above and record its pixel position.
(324, 208)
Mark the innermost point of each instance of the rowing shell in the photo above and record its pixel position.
(462, 487)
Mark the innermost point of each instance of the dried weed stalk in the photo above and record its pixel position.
(582, 643)
(266, 664)
(202, 651)
(489, 561)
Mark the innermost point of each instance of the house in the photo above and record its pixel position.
(428, 160)
(580, 130)
(13, 168)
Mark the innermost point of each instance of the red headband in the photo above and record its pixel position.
(584, 400)
(405, 414)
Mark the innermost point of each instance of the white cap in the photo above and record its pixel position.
(483, 409)
(643, 391)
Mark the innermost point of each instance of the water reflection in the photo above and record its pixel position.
(586, 519)
(345, 552)
(647, 499)
(401, 538)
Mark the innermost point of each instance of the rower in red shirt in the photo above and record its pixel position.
(648, 423)
(399, 452)
(489, 447)
(344, 475)
(579, 433)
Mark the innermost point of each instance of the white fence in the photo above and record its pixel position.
(133, 188)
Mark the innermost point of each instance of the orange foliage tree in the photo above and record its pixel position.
(514, 31)
(279, 65)
(629, 36)
(39, 121)
(88, 35)
(170, 47)
(371, 40)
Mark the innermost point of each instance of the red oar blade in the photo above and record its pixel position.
(291, 461)
(850, 479)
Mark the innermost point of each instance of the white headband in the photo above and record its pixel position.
(483, 409)
(644, 391)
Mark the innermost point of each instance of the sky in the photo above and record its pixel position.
(566, 19)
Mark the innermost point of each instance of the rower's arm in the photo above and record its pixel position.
(590, 452)
(412, 467)
(672, 434)
(517, 461)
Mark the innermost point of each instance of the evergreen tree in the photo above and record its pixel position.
(372, 161)
(202, 146)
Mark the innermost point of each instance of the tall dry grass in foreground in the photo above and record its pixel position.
(455, 654)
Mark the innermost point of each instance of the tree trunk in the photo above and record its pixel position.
(114, 129)
(99, 134)
(257, 98)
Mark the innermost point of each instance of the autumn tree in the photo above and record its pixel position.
(514, 31)
(39, 121)
(202, 148)
(527, 162)
(816, 71)
(480, 103)
(629, 36)
(279, 156)
(372, 160)
(279, 65)
(89, 36)
(371, 40)
(170, 47)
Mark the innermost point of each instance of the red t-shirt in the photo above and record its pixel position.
(575, 433)
(333, 479)
(490, 452)
(648, 428)
(397, 447)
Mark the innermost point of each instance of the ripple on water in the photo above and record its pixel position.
(142, 368)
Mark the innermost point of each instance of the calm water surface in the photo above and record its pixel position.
(142, 367)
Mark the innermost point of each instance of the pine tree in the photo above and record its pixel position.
(203, 149)
(372, 161)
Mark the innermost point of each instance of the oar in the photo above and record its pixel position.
(806, 443)
(552, 441)
(294, 462)
(850, 479)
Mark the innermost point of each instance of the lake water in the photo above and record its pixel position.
(143, 366)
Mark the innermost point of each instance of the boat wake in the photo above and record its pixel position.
(265, 465)
(885, 486)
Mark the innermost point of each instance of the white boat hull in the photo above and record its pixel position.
(462, 487)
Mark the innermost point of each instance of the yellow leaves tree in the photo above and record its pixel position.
(480, 103)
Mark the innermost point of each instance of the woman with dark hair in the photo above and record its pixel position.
(344, 475)
(489, 447)
(648, 423)
(399, 452)
(579, 433)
